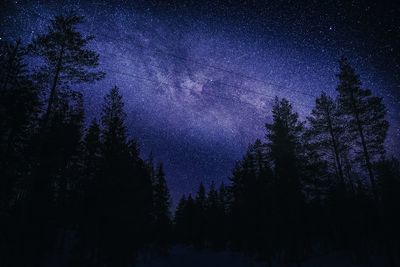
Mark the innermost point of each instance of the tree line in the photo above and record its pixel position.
(71, 194)
(312, 187)
(74, 193)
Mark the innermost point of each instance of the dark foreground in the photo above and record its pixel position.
(182, 256)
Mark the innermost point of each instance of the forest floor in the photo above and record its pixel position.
(181, 256)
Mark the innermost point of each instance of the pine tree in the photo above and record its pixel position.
(242, 209)
(67, 58)
(91, 150)
(124, 195)
(327, 133)
(283, 136)
(223, 197)
(215, 216)
(52, 188)
(179, 220)
(286, 153)
(87, 204)
(201, 197)
(150, 166)
(161, 209)
(186, 220)
(224, 202)
(91, 158)
(113, 124)
(200, 203)
(113, 184)
(366, 119)
(161, 197)
(19, 107)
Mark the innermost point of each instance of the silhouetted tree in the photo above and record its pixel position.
(88, 208)
(327, 133)
(286, 151)
(91, 200)
(180, 220)
(124, 192)
(200, 204)
(19, 107)
(366, 119)
(67, 59)
(162, 221)
(189, 223)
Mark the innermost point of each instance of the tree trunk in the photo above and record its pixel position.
(335, 149)
(53, 88)
(365, 149)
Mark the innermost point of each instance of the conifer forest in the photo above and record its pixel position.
(265, 129)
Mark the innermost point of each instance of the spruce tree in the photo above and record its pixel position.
(88, 208)
(201, 197)
(19, 107)
(67, 58)
(199, 215)
(161, 209)
(179, 220)
(327, 136)
(283, 136)
(190, 222)
(113, 185)
(366, 121)
(125, 190)
(92, 146)
(214, 218)
(113, 125)
(286, 153)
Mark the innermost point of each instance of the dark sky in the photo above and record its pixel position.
(199, 77)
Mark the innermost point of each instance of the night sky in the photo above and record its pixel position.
(199, 77)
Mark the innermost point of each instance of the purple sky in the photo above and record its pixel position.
(198, 80)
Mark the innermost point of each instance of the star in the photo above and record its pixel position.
(198, 88)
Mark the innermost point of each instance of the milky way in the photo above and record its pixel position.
(198, 79)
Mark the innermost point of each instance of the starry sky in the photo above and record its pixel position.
(199, 77)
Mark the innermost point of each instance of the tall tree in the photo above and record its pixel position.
(113, 124)
(185, 220)
(366, 119)
(215, 215)
(113, 180)
(283, 136)
(19, 107)
(88, 208)
(199, 218)
(125, 192)
(286, 153)
(66, 56)
(179, 220)
(327, 133)
(91, 151)
(161, 209)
